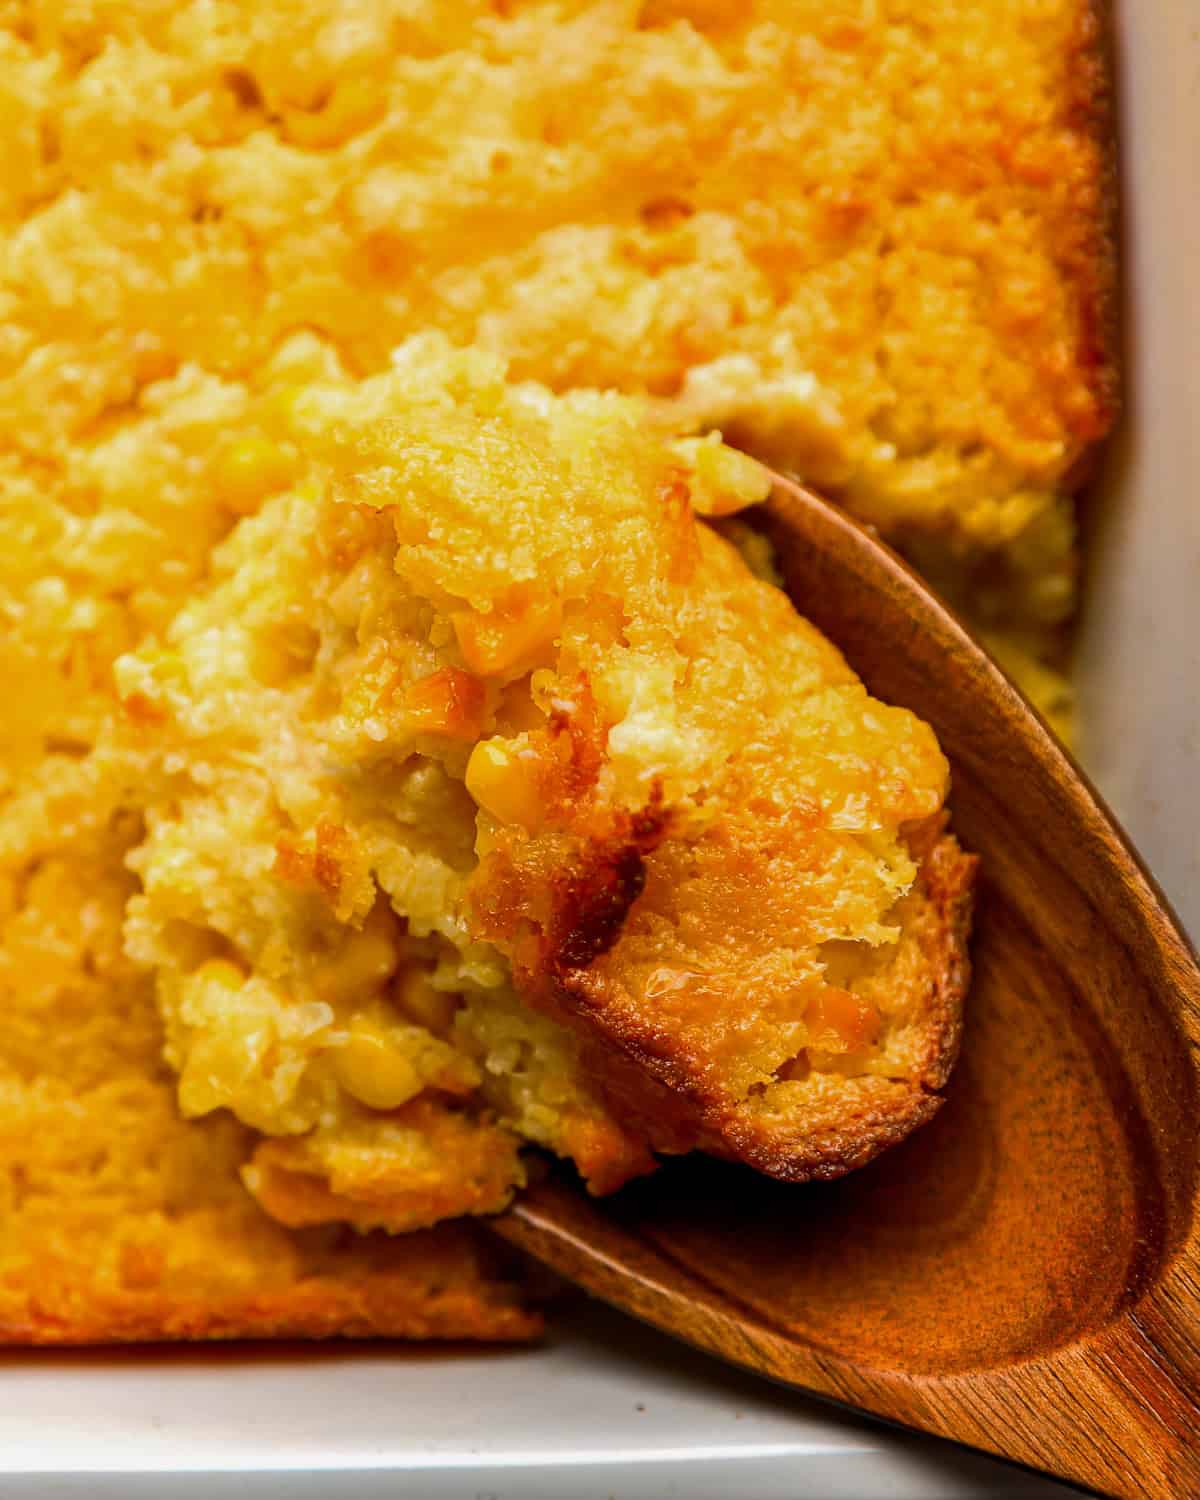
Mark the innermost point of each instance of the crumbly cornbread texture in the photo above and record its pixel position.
(490, 797)
(869, 244)
(121, 1221)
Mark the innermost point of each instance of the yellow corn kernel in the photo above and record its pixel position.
(281, 408)
(364, 963)
(354, 104)
(280, 653)
(501, 776)
(413, 994)
(840, 1021)
(447, 702)
(372, 1068)
(221, 971)
(249, 470)
(506, 639)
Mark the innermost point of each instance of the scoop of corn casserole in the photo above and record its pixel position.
(490, 797)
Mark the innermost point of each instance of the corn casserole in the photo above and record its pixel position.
(334, 765)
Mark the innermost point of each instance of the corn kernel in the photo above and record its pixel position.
(505, 640)
(364, 963)
(354, 104)
(249, 470)
(279, 654)
(374, 1070)
(282, 407)
(413, 994)
(501, 776)
(448, 702)
(840, 1021)
(221, 971)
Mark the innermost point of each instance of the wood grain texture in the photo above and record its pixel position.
(1023, 1274)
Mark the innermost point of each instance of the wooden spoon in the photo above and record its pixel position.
(1023, 1274)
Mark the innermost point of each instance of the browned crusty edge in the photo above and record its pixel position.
(940, 923)
(679, 1100)
(1089, 239)
(446, 1297)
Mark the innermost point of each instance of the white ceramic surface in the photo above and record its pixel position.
(1139, 661)
(607, 1409)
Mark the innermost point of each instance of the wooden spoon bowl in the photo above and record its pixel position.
(1023, 1274)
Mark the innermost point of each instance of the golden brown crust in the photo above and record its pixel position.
(1089, 236)
(654, 1082)
(440, 1285)
(941, 926)
(304, 1180)
(1027, 593)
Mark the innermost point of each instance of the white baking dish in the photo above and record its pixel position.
(1139, 660)
(605, 1408)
